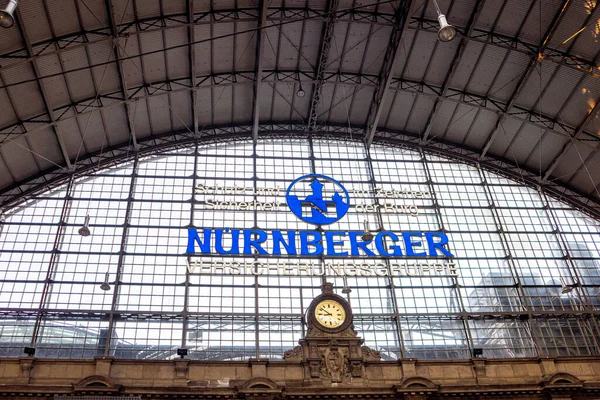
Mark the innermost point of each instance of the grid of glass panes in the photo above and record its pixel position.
(528, 280)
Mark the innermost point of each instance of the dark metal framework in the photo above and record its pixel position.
(128, 96)
(528, 282)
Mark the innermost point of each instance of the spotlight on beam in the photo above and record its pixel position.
(367, 235)
(105, 285)
(447, 32)
(300, 93)
(85, 229)
(7, 18)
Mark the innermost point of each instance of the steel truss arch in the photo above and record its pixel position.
(18, 193)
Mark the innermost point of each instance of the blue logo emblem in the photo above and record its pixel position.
(318, 199)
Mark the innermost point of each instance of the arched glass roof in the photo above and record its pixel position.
(88, 81)
(520, 278)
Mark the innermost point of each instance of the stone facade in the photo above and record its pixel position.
(328, 363)
(547, 378)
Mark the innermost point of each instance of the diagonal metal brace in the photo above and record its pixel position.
(404, 9)
(332, 6)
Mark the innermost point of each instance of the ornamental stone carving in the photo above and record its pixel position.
(333, 355)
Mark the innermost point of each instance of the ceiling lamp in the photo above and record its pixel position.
(367, 236)
(85, 230)
(7, 18)
(105, 285)
(300, 93)
(447, 32)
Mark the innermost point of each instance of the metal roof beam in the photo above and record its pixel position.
(38, 78)
(14, 194)
(331, 10)
(591, 113)
(258, 70)
(405, 8)
(453, 66)
(535, 59)
(192, 55)
(247, 77)
(117, 49)
(359, 16)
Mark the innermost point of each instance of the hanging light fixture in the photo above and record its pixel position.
(300, 93)
(447, 32)
(7, 18)
(105, 285)
(367, 235)
(85, 229)
(566, 288)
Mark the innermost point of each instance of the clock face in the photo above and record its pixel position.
(330, 314)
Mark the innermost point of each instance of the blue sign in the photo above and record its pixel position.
(314, 243)
(320, 200)
(305, 197)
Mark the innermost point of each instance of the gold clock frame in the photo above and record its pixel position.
(313, 321)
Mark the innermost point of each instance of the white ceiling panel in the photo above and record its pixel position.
(56, 86)
(18, 155)
(93, 14)
(480, 129)
(105, 72)
(71, 133)
(124, 11)
(139, 111)
(63, 17)
(355, 42)
(374, 54)
(129, 50)
(585, 178)
(80, 80)
(399, 113)
(587, 41)
(572, 160)
(117, 129)
(419, 115)
(504, 135)
(537, 82)
(507, 80)
(177, 58)
(523, 144)
(34, 20)
(5, 174)
(154, 67)
(243, 100)
(145, 8)
(46, 148)
(486, 70)
(557, 91)
(466, 65)
(582, 102)
(439, 67)
(441, 118)
(544, 152)
(160, 115)
(459, 125)
(245, 47)
(93, 131)
(512, 16)
(419, 60)
(7, 116)
(540, 19)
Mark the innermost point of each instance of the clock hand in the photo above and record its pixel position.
(322, 309)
